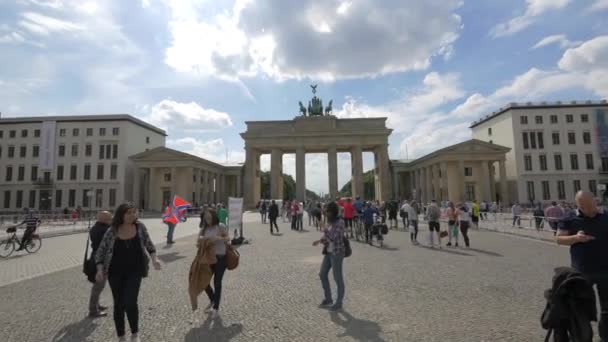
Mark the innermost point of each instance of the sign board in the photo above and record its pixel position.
(47, 145)
(601, 187)
(235, 214)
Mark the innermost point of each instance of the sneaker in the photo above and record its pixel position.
(325, 303)
(449, 244)
(208, 308)
(97, 314)
(456, 244)
(122, 339)
(135, 338)
(336, 307)
(215, 313)
(102, 308)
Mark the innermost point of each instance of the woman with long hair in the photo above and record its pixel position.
(217, 234)
(123, 257)
(333, 256)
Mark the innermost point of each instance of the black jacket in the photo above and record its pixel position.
(570, 307)
(273, 212)
(97, 232)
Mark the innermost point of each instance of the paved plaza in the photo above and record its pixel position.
(491, 292)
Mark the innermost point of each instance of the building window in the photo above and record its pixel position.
(21, 174)
(7, 199)
(538, 119)
(584, 118)
(113, 171)
(87, 171)
(34, 174)
(59, 175)
(555, 138)
(593, 186)
(85, 198)
(468, 171)
(489, 130)
(561, 190)
(167, 177)
(604, 164)
(528, 162)
(8, 176)
(586, 138)
(553, 119)
(115, 151)
(36, 133)
(541, 140)
(115, 131)
(61, 150)
(32, 199)
(71, 198)
(75, 132)
(73, 172)
(11, 151)
(523, 120)
(525, 139)
(542, 159)
(469, 191)
(108, 151)
(22, 151)
(74, 150)
(12, 133)
(577, 185)
(58, 199)
(530, 189)
(574, 161)
(1, 134)
(102, 153)
(589, 161)
(147, 140)
(557, 158)
(24, 133)
(571, 138)
(99, 198)
(62, 132)
(35, 151)
(88, 150)
(19, 199)
(102, 131)
(569, 118)
(532, 140)
(112, 198)
(491, 142)
(89, 132)
(546, 190)
(99, 171)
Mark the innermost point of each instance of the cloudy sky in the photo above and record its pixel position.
(200, 68)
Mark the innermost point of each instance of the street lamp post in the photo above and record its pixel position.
(89, 195)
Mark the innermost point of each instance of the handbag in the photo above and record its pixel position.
(348, 251)
(88, 265)
(232, 258)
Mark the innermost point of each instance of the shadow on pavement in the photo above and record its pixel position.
(485, 252)
(170, 257)
(445, 250)
(213, 330)
(77, 331)
(389, 248)
(276, 234)
(358, 329)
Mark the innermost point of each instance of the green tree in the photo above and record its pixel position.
(369, 191)
(289, 187)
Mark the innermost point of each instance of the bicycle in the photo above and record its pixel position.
(358, 227)
(7, 246)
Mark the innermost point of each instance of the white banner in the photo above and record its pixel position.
(235, 213)
(47, 145)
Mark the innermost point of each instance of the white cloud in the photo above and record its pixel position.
(534, 9)
(559, 39)
(37, 23)
(284, 40)
(598, 5)
(188, 116)
(12, 37)
(213, 150)
(589, 62)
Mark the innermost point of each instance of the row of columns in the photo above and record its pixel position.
(447, 181)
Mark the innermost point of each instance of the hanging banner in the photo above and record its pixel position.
(235, 213)
(47, 145)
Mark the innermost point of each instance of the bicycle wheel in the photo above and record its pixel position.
(34, 245)
(6, 248)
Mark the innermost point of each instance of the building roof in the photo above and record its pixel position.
(83, 118)
(538, 105)
(164, 151)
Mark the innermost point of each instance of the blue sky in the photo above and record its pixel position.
(201, 68)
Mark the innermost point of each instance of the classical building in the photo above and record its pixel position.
(52, 162)
(556, 148)
(462, 172)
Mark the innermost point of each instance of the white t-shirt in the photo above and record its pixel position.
(220, 246)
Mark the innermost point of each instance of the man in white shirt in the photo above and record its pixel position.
(404, 211)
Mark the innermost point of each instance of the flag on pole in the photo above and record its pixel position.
(175, 212)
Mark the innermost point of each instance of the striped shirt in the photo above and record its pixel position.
(30, 222)
(335, 236)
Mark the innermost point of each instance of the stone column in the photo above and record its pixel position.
(417, 182)
(332, 169)
(276, 174)
(444, 181)
(504, 191)
(238, 187)
(251, 180)
(492, 182)
(153, 188)
(136, 188)
(436, 183)
(429, 183)
(357, 173)
(462, 184)
(173, 182)
(192, 189)
(396, 193)
(205, 185)
(422, 185)
(301, 174)
(485, 182)
(199, 187)
(384, 181)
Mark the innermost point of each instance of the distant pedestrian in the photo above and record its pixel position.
(222, 214)
(475, 213)
(452, 214)
(413, 211)
(333, 257)
(75, 216)
(123, 257)
(404, 212)
(433, 214)
(273, 213)
(96, 234)
(349, 214)
(263, 210)
(483, 210)
(171, 223)
(300, 207)
(368, 221)
(516, 212)
(464, 221)
(294, 215)
(553, 214)
(539, 217)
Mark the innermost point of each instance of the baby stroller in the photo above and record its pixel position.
(379, 229)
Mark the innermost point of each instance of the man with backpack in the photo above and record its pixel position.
(587, 236)
(104, 219)
(433, 214)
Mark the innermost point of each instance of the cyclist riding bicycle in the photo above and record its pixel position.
(31, 222)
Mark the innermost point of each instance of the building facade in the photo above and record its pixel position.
(49, 163)
(556, 148)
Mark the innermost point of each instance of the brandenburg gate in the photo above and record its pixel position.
(315, 131)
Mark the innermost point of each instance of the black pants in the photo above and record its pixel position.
(348, 224)
(215, 293)
(464, 229)
(125, 290)
(294, 222)
(27, 235)
(273, 221)
(601, 283)
(368, 232)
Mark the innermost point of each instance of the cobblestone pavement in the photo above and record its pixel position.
(491, 292)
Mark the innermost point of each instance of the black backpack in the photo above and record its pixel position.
(570, 307)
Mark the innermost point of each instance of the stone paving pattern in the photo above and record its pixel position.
(491, 292)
